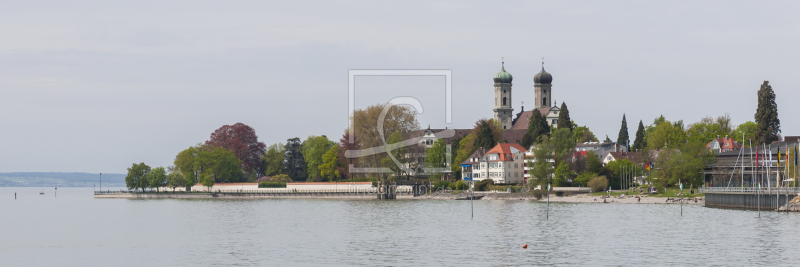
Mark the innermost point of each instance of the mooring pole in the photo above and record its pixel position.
(681, 199)
(547, 214)
(758, 197)
(472, 199)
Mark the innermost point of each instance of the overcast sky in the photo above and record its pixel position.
(97, 86)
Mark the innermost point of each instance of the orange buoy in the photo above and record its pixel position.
(525, 246)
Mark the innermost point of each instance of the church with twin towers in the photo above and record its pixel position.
(504, 111)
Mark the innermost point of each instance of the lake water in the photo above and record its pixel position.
(74, 229)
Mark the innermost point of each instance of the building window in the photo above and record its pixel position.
(504, 100)
(544, 101)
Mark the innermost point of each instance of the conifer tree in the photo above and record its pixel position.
(640, 142)
(294, 163)
(768, 124)
(485, 137)
(537, 127)
(608, 140)
(623, 132)
(564, 121)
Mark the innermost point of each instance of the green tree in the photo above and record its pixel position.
(666, 135)
(485, 136)
(584, 178)
(469, 144)
(684, 164)
(435, 156)
(562, 175)
(641, 142)
(207, 180)
(708, 129)
(607, 140)
(582, 134)
(157, 177)
(542, 163)
(222, 165)
(623, 133)
(273, 160)
(188, 163)
(137, 176)
(563, 143)
(176, 179)
(313, 149)
(616, 170)
(746, 130)
(537, 127)
(593, 163)
(768, 124)
(329, 169)
(294, 163)
(464, 150)
(564, 122)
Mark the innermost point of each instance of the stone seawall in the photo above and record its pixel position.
(241, 196)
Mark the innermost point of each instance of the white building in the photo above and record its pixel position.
(600, 149)
(504, 164)
(529, 163)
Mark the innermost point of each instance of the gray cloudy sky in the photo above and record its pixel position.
(95, 86)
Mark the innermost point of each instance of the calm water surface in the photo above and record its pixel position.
(74, 229)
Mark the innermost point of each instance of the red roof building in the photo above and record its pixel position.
(723, 145)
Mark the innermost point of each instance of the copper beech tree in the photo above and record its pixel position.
(242, 140)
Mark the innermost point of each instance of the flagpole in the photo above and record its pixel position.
(752, 167)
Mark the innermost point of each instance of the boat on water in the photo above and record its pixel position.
(42, 192)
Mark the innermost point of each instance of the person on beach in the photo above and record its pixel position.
(595, 199)
(638, 199)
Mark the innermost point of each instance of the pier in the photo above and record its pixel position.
(748, 197)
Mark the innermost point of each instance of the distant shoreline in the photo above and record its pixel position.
(435, 196)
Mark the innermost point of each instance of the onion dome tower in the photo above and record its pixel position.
(542, 84)
(502, 97)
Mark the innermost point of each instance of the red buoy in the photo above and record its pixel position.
(525, 246)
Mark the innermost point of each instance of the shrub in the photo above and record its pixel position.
(441, 184)
(537, 194)
(271, 185)
(584, 178)
(459, 185)
(281, 178)
(598, 183)
(482, 185)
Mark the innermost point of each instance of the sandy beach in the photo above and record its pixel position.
(625, 200)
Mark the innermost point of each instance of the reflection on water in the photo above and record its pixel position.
(74, 229)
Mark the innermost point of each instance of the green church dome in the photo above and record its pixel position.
(503, 76)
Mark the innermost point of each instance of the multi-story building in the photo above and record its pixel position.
(503, 164)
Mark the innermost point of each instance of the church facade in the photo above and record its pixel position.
(503, 110)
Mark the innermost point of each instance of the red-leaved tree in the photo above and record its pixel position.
(242, 140)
